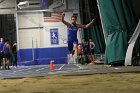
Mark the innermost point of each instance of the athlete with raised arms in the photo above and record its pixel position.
(72, 29)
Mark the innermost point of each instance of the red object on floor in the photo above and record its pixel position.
(92, 62)
(51, 66)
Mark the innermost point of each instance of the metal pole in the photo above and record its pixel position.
(17, 31)
(33, 50)
(17, 26)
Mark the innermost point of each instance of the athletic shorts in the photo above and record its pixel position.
(7, 55)
(1, 55)
(92, 51)
(71, 43)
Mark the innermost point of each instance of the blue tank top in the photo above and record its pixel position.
(6, 50)
(1, 46)
(72, 32)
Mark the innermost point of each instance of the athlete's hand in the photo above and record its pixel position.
(93, 20)
(63, 15)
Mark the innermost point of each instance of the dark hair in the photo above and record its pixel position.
(74, 17)
(90, 38)
(7, 40)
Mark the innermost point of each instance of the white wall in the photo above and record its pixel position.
(7, 7)
(27, 23)
(29, 38)
(62, 34)
(40, 37)
(29, 29)
(62, 30)
(28, 20)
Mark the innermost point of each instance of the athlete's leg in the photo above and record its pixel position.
(93, 54)
(75, 49)
(70, 55)
(15, 56)
(7, 62)
(75, 44)
(70, 47)
(4, 63)
(0, 60)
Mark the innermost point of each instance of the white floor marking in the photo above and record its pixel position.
(24, 69)
(29, 71)
(47, 67)
(78, 66)
(40, 69)
(82, 70)
(61, 67)
(117, 68)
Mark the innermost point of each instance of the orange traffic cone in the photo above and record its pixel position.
(92, 62)
(51, 66)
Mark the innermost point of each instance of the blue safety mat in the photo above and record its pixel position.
(35, 70)
(65, 69)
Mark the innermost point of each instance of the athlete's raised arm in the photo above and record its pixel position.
(86, 26)
(65, 22)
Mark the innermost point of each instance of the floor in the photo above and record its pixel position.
(65, 69)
